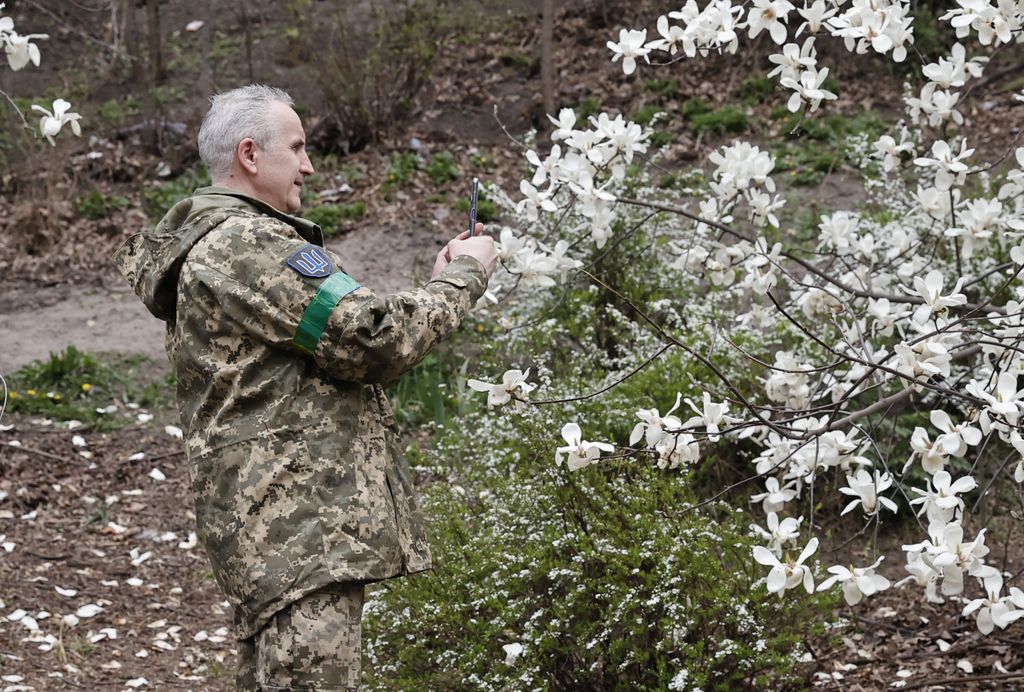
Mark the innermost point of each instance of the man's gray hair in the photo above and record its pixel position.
(233, 116)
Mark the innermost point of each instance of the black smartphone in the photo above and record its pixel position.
(472, 206)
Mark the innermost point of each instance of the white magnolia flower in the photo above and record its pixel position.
(710, 416)
(930, 289)
(509, 244)
(793, 59)
(942, 501)
(513, 386)
(866, 489)
(779, 533)
(563, 125)
(770, 15)
(1005, 403)
(52, 121)
(892, 153)
(789, 574)
(534, 201)
(954, 557)
(953, 72)
(630, 47)
(808, 90)
(546, 167)
(653, 425)
(933, 458)
(535, 268)
(950, 168)
(775, 497)
(955, 438)
(993, 610)
(672, 37)
(922, 359)
(815, 16)
(578, 453)
(512, 652)
(21, 50)
(857, 582)
(675, 451)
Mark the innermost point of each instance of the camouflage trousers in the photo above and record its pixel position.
(312, 644)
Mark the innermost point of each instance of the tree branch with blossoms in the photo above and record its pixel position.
(915, 316)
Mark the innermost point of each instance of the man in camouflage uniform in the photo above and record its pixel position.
(301, 492)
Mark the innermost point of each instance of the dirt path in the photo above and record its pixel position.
(36, 320)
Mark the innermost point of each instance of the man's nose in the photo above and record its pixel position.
(306, 166)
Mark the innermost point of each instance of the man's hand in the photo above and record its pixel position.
(479, 247)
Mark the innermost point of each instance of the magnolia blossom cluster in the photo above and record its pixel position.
(581, 173)
(876, 26)
(676, 442)
(21, 50)
(918, 308)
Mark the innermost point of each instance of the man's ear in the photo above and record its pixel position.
(246, 154)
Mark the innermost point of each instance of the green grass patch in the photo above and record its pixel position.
(433, 392)
(72, 384)
(814, 147)
(331, 217)
(645, 115)
(725, 120)
(757, 89)
(662, 87)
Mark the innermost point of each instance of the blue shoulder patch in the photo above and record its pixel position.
(312, 261)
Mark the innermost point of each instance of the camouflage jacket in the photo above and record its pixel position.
(280, 360)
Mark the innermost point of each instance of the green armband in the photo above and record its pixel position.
(314, 319)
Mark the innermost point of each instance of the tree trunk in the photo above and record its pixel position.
(547, 68)
(151, 133)
(131, 40)
(156, 66)
(247, 30)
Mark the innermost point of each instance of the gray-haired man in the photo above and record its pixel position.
(301, 493)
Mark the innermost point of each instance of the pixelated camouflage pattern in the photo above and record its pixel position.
(314, 643)
(296, 469)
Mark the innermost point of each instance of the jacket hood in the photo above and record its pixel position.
(152, 260)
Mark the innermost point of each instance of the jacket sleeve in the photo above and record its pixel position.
(356, 335)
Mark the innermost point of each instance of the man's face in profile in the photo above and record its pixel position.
(283, 164)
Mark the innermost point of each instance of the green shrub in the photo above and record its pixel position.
(694, 107)
(117, 111)
(329, 216)
(369, 76)
(96, 206)
(159, 198)
(401, 166)
(606, 576)
(757, 89)
(645, 115)
(587, 107)
(486, 210)
(728, 119)
(427, 394)
(661, 138)
(441, 168)
(662, 87)
(602, 576)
